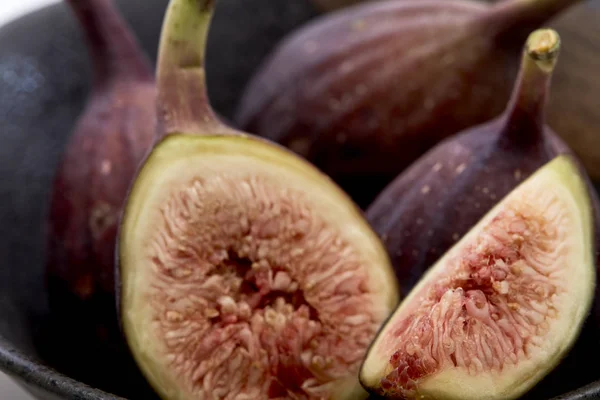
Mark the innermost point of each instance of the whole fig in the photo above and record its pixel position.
(364, 91)
(109, 140)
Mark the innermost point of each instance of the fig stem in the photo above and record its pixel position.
(528, 102)
(183, 104)
(114, 50)
(517, 18)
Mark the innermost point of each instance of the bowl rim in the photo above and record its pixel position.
(21, 368)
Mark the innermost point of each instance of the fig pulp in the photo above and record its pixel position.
(244, 272)
(110, 138)
(503, 306)
(363, 92)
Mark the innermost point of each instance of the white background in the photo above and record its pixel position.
(9, 10)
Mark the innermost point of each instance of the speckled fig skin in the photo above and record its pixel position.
(364, 91)
(436, 201)
(109, 140)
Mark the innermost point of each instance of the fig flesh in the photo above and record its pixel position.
(503, 306)
(109, 140)
(363, 92)
(244, 272)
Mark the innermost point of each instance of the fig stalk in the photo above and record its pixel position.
(182, 94)
(529, 99)
(234, 253)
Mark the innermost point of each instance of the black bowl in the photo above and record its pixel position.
(44, 81)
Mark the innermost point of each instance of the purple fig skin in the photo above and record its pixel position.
(110, 138)
(574, 79)
(440, 197)
(364, 91)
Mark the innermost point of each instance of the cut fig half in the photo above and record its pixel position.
(245, 272)
(503, 306)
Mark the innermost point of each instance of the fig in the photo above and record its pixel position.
(442, 196)
(109, 140)
(244, 271)
(366, 90)
(503, 306)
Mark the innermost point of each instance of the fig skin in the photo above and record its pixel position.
(364, 91)
(428, 208)
(167, 266)
(109, 140)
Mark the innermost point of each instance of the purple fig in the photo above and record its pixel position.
(244, 272)
(364, 91)
(109, 140)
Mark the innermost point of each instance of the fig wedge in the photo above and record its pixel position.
(503, 306)
(244, 271)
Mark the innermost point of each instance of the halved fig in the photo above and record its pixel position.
(245, 272)
(503, 306)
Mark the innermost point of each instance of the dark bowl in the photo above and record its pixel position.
(44, 81)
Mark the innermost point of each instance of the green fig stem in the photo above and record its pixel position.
(517, 18)
(114, 50)
(183, 104)
(525, 112)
